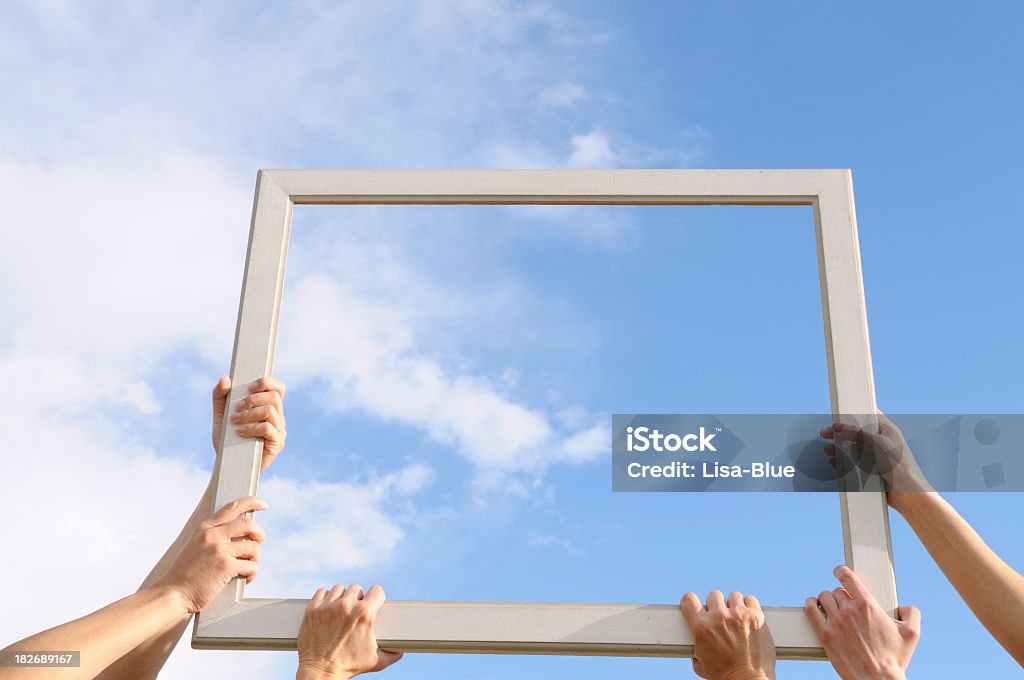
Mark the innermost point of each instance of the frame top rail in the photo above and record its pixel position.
(556, 187)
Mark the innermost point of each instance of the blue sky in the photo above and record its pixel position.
(452, 369)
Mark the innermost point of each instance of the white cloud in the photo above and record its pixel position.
(592, 150)
(127, 170)
(330, 528)
(369, 356)
(563, 93)
(545, 540)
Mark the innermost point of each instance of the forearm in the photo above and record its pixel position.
(103, 636)
(145, 660)
(989, 586)
(202, 510)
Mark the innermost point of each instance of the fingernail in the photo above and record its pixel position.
(240, 430)
(262, 504)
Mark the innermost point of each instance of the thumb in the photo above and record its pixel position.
(386, 658)
(910, 618)
(220, 391)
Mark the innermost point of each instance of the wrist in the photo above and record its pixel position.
(910, 504)
(171, 597)
(315, 670)
(749, 674)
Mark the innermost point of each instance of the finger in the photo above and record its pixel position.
(264, 429)
(815, 614)
(716, 600)
(245, 569)
(244, 550)
(335, 593)
(386, 658)
(267, 384)
(846, 432)
(852, 583)
(735, 600)
(830, 449)
(259, 414)
(887, 427)
(221, 390)
(828, 603)
(235, 508)
(910, 616)
(752, 602)
(826, 432)
(375, 598)
(244, 527)
(691, 607)
(317, 599)
(842, 596)
(261, 399)
(353, 592)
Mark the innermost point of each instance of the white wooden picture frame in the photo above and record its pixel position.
(233, 622)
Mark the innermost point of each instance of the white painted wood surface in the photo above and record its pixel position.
(232, 622)
(237, 467)
(865, 514)
(509, 627)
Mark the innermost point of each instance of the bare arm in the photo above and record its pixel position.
(208, 560)
(266, 419)
(145, 660)
(102, 636)
(989, 586)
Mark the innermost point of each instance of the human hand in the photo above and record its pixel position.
(336, 638)
(730, 638)
(861, 640)
(260, 414)
(223, 547)
(885, 452)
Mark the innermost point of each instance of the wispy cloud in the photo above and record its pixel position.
(371, 361)
(127, 169)
(563, 93)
